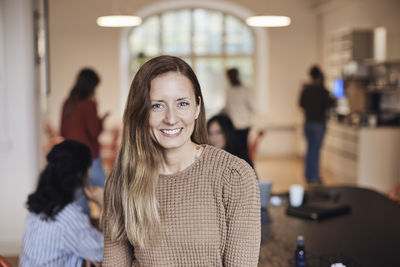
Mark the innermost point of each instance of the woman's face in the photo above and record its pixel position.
(216, 136)
(173, 110)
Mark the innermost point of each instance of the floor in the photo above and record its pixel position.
(282, 171)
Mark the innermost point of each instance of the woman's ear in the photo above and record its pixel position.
(198, 108)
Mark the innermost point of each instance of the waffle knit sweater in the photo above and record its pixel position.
(210, 216)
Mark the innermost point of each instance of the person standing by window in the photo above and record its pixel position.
(238, 107)
(315, 101)
(80, 122)
(238, 103)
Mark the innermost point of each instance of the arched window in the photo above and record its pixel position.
(210, 41)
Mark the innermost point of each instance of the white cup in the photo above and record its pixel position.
(296, 194)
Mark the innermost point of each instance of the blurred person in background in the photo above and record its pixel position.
(238, 105)
(57, 233)
(171, 199)
(223, 135)
(315, 100)
(80, 122)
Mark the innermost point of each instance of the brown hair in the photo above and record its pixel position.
(84, 87)
(233, 76)
(130, 210)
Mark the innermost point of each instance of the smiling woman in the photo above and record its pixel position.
(175, 200)
(173, 114)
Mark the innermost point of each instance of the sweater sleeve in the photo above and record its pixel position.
(93, 122)
(242, 207)
(117, 253)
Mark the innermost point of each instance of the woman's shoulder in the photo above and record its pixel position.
(67, 217)
(226, 162)
(72, 216)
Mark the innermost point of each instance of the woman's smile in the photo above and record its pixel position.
(171, 132)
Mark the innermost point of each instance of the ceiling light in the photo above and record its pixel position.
(268, 21)
(118, 21)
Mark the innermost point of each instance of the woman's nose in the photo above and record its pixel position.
(171, 116)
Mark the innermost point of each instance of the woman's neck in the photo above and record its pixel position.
(176, 160)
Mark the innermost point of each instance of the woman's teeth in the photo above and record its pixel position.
(171, 132)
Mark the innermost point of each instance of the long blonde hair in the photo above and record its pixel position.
(130, 205)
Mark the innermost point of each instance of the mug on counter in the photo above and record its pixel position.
(296, 195)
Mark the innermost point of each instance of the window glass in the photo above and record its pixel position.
(210, 72)
(144, 40)
(176, 27)
(208, 32)
(238, 38)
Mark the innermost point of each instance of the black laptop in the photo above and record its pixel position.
(318, 210)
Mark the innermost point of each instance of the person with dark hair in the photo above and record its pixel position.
(172, 200)
(315, 101)
(223, 135)
(238, 103)
(81, 123)
(57, 233)
(239, 108)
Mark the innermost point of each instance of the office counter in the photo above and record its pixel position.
(363, 156)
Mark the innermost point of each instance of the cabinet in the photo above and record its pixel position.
(339, 154)
(362, 156)
(344, 46)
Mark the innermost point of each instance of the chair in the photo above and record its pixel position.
(254, 145)
(52, 138)
(4, 263)
(109, 150)
(395, 194)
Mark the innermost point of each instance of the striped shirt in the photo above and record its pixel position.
(66, 241)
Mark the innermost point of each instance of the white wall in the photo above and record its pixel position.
(366, 14)
(81, 43)
(18, 141)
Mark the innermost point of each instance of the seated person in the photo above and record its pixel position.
(57, 232)
(223, 135)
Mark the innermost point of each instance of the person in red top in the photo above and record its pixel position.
(80, 122)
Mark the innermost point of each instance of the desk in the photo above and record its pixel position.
(368, 236)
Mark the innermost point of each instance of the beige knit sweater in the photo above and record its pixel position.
(210, 216)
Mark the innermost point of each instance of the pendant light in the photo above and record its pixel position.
(118, 21)
(117, 18)
(268, 21)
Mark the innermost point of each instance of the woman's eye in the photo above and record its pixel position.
(157, 106)
(183, 104)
